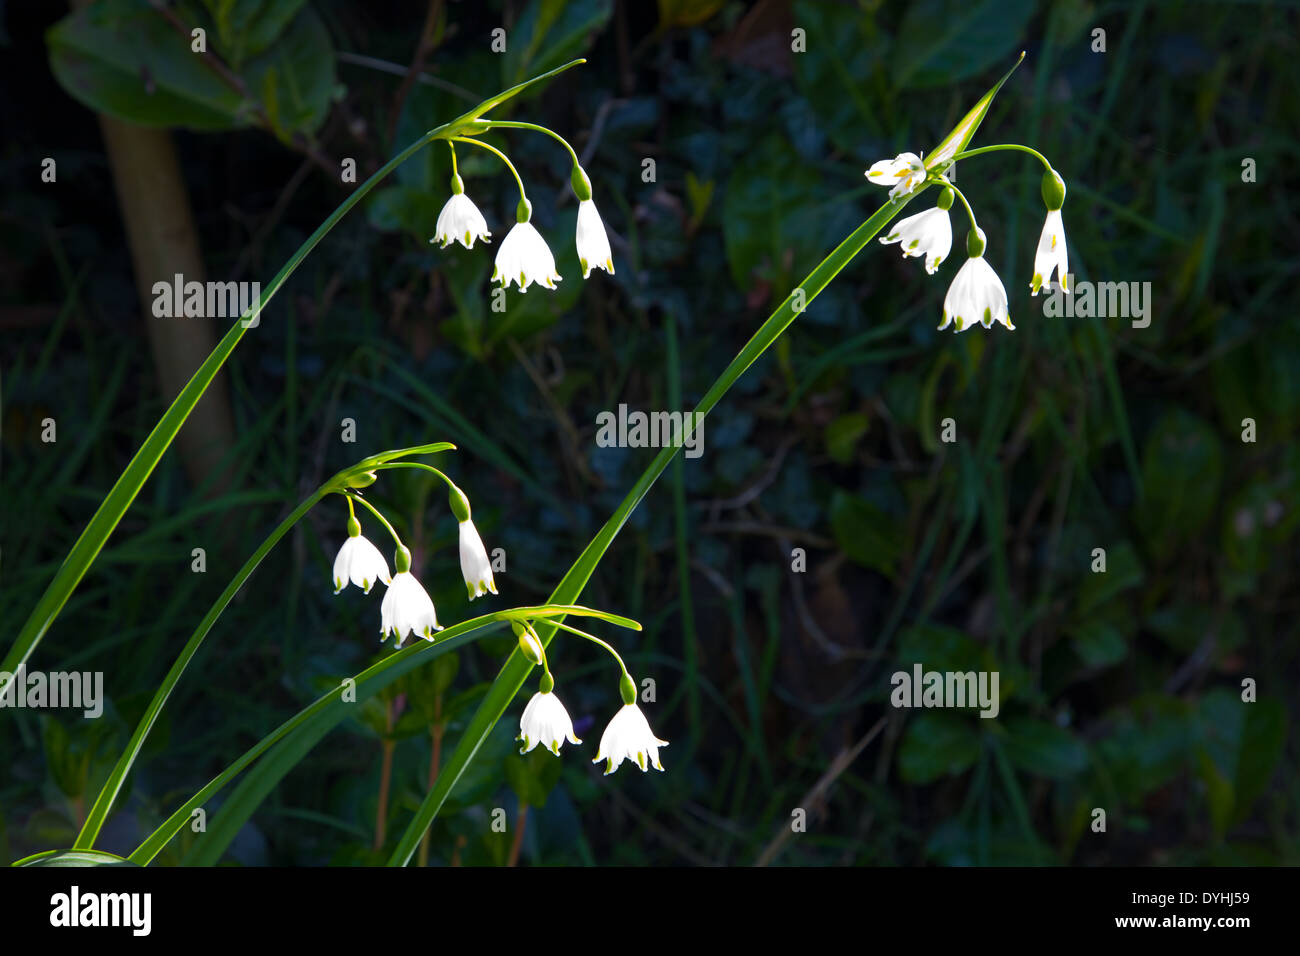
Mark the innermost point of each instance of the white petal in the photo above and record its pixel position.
(525, 258)
(343, 565)
(460, 221)
(1051, 254)
(407, 608)
(368, 564)
(926, 234)
(889, 172)
(628, 737)
(474, 563)
(545, 721)
(591, 241)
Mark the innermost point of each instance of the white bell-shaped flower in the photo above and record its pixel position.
(524, 256)
(546, 722)
(1051, 255)
(474, 563)
(628, 736)
(976, 294)
(460, 221)
(904, 172)
(591, 241)
(360, 562)
(926, 234)
(407, 607)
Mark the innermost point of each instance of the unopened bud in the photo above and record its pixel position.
(1053, 190)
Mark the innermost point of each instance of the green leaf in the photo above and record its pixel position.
(1043, 749)
(297, 74)
(103, 804)
(247, 27)
(952, 144)
(937, 745)
(289, 743)
(866, 534)
(467, 118)
(942, 42)
(122, 58)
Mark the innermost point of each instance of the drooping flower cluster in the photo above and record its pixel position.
(524, 257)
(976, 295)
(407, 608)
(545, 721)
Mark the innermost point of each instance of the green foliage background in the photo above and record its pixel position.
(1120, 690)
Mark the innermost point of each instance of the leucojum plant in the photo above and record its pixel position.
(976, 296)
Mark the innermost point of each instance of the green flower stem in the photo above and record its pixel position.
(503, 157)
(514, 124)
(421, 466)
(595, 640)
(970, 213)
(516, 669)
(104, 802)
(992, 149)
(455, 172)
(546, 666)
(382, 520)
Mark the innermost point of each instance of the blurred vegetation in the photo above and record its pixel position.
(1119, 690)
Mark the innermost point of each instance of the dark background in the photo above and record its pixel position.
(1121, 690)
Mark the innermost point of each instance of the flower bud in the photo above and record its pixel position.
(459, 503)
(627, 689)
(524, 211)
(529, 645)
(1053, 190)
(946, 198)
(975, 242)
(581, 184)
